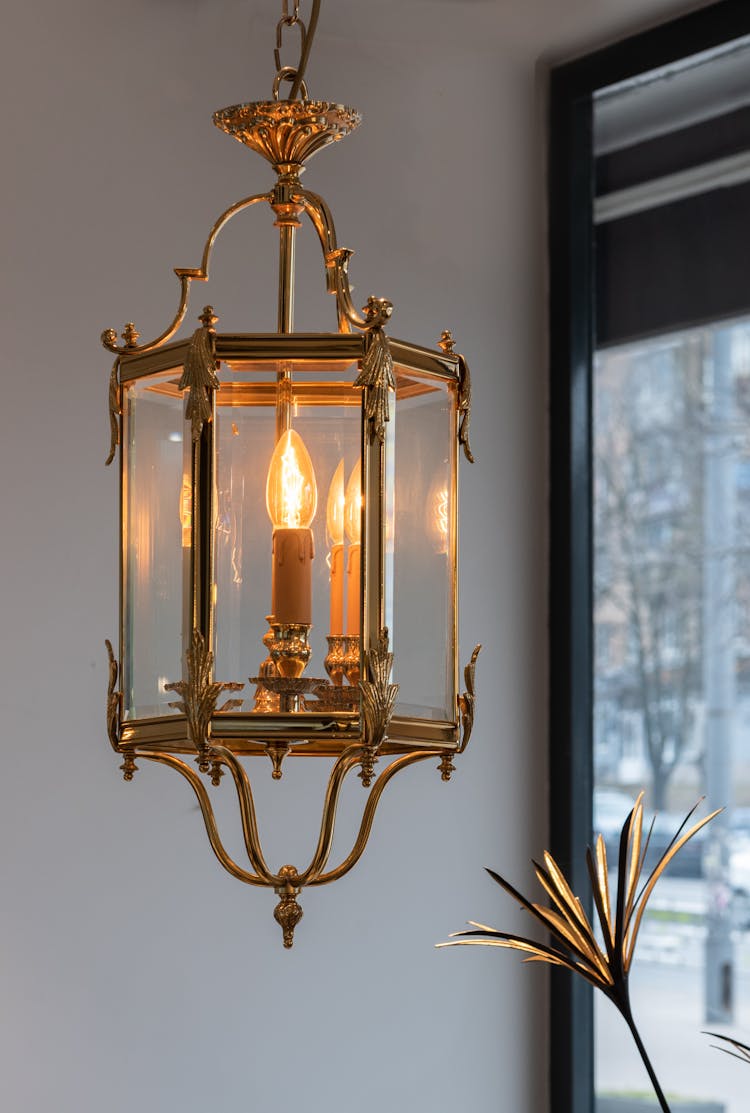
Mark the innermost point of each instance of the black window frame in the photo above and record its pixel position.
(571, 330)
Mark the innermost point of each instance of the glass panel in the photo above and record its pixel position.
(420, 600)
(672, 698)
(323, 408)
(156, 542)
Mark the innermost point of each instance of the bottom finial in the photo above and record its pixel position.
(287, 912)
(128, 767)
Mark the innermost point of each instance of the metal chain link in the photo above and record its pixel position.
(294, 74)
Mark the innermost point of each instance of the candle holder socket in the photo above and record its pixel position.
(289, 648)
(352, 667)
(335, 661)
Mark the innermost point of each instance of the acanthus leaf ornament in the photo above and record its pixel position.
(447, 343)
(466, 702)
(199, 695)
(376, 374)
(113, 699)
(115, 409)
(114, 702)
(378, 700)
(464, 408)
(199, 375)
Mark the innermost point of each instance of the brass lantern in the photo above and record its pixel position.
(288, 507)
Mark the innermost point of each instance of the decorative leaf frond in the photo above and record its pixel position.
(566, 920)
(199, 379)
(741, 1050)
(376, 375)
(199, 692)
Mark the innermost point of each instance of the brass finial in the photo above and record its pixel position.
(446, 342)
(208, 318)
(130, 335)
(128, 767)
(287, 912)
(277, 751)
(379, 308)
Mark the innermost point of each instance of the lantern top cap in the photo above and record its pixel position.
(284, 132)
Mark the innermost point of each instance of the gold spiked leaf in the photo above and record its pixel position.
(574, 943)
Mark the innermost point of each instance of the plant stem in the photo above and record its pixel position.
(646, 1061)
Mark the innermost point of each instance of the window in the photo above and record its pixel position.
(650, 567)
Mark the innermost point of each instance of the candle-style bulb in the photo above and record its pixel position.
(291, 490)
(438, 516)
(335, 507)
(353, 506)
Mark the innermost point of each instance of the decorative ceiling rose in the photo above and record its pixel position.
(288, 513)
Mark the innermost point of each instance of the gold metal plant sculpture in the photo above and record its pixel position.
(575, 945)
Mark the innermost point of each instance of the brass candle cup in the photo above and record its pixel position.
(289, 647)
(351, 658)
(335, 661)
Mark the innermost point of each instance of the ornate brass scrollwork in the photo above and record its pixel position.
(186, 275)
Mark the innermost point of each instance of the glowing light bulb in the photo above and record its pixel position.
(353, 528)
(439, 517)
(335, 506)
(291, 490)
(335, 526)
(353, 506)
(186, 511)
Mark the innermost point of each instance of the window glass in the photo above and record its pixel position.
(671, 571)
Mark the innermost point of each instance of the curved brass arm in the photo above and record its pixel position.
(346, 761)
(208, 816)
(186, 275)
(247, 812)
(369, 814)
(337, 267)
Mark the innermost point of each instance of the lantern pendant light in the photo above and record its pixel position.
(288, 508)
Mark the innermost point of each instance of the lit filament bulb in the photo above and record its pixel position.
(353, 528)
(186, 511)
(335, 526)
(441, 518)
(335, 507)
(291, 500)
(353, 506)
(291, 491)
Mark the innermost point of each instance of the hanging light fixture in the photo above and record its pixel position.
(288, 513)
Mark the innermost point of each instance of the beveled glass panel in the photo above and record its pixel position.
(257, 401)
(157, 502)
(421, 545)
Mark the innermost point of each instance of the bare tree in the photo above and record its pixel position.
(648, 570)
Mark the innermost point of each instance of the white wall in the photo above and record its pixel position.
(134, 973)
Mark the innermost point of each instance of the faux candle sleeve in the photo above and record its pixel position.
(291, 585)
